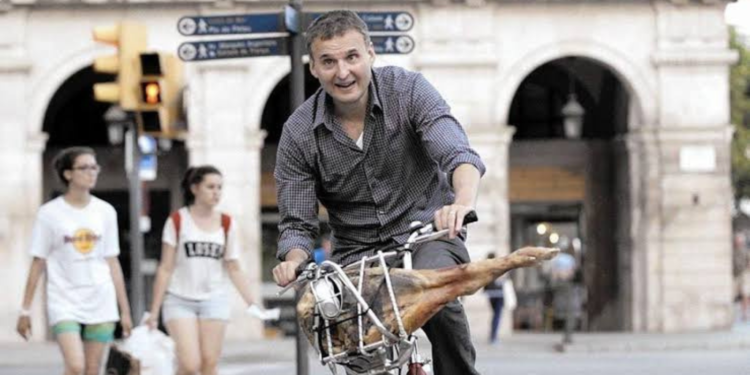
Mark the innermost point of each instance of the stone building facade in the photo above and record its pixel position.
(652, 168)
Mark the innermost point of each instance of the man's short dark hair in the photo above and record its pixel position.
(335, 23)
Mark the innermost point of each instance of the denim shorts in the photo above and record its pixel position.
(176, 307)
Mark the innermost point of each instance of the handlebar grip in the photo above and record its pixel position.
(471, 217)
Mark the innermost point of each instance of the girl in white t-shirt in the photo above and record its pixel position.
(75, 241)
(200, 255)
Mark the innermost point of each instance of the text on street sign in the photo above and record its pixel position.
(233, 48)
(231, 24)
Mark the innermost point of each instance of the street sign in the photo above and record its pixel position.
(387, 21)
(392, 44)
(380, 21)
(232, 48)
(231, 24)
(388, 37)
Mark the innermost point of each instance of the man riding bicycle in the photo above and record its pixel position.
(379, 149)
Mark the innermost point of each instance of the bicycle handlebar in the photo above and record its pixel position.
(426, 233)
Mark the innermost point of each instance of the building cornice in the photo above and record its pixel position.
(8, 4)
(704, 134)
(694, 57)
(14, 64)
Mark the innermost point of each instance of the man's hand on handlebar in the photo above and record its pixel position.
(286, 271)
(451, 217)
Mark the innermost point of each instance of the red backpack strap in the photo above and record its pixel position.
(176, 220)
(226, 222)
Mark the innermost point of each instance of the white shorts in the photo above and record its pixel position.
(176, 307)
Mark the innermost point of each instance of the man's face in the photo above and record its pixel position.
(343, 66)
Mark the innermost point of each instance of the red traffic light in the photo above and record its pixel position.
(151, 92)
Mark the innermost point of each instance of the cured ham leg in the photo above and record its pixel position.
(420, 294)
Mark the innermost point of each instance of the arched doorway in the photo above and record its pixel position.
(74, 118)
(571, 192)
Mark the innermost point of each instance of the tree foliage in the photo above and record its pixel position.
(740, 107)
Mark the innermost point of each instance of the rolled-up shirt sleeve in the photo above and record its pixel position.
(295, 189)
(442, 135)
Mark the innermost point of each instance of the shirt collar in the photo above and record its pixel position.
(324, 114)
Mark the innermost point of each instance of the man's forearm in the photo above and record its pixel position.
(466, 185)
(297, 255)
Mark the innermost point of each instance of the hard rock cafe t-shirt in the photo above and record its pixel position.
(75, 243)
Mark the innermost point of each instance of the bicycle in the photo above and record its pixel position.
(335, 296)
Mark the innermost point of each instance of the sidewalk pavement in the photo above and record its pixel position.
(283, 350)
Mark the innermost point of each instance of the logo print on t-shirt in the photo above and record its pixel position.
(204, 250)
(83, 240)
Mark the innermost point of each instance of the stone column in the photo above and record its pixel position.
(696, 229)
(21, 146)
(221, 135)
(645, 231)
(692, 67)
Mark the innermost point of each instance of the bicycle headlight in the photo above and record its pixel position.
(328, 296)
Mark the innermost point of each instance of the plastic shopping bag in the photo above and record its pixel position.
(153, 349)
(120, 362)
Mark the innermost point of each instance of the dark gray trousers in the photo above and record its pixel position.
(452, 350)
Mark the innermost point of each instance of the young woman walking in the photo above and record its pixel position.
(200, 254)
(75, 242)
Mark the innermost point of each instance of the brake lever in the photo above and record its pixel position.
(427, 233)
(304, 272)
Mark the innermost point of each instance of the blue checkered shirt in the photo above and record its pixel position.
(411, 145)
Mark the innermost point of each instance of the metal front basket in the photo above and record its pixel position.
(330, 286)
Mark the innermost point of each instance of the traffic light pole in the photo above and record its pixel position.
(132, 163)
(297, 97)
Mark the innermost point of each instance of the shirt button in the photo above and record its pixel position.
(381, 212)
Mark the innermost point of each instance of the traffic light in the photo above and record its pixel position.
(160, 90)
(130, 40)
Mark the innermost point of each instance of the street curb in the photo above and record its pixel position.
(657, 343)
